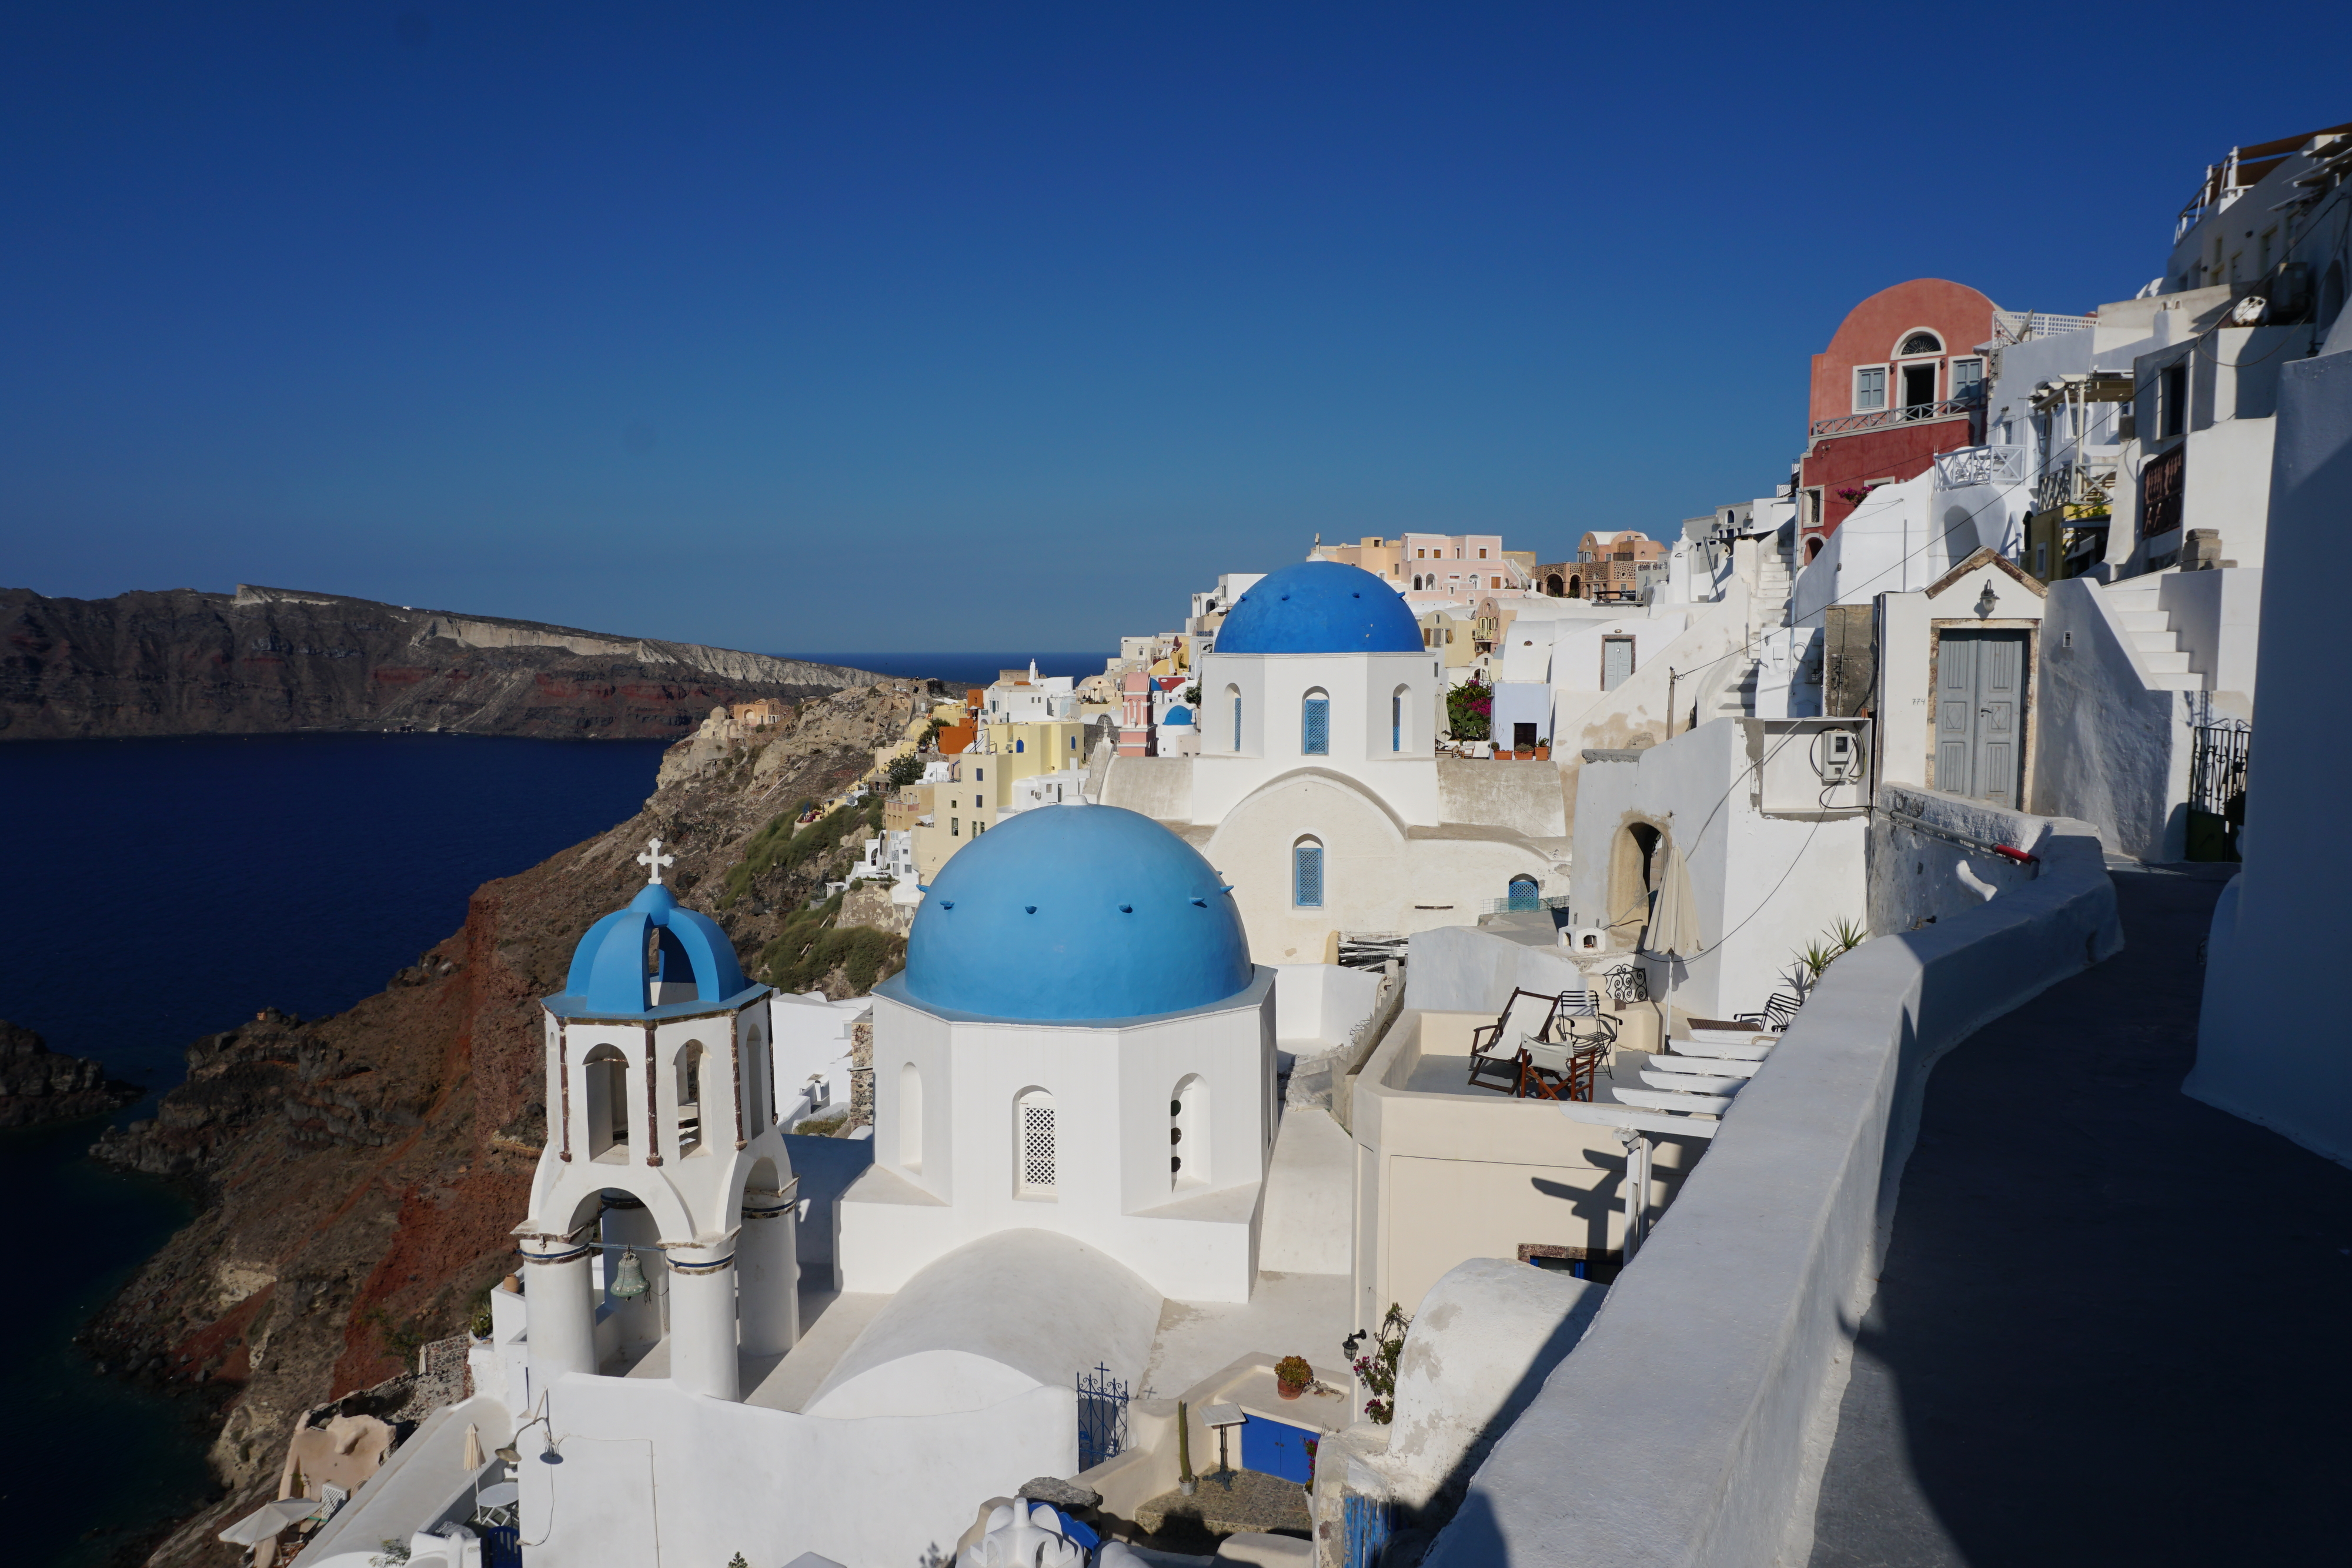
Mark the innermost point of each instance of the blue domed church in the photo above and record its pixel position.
(1080, 1045)
(1317, 789)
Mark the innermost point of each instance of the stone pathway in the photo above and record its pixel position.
(2109, 1324)
(1249, 1501)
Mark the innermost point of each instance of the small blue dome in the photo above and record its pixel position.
(1076, 911)
(1319, 607)
(1180, 714)
(608, 969)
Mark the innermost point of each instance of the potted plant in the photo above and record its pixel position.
(1293, 1377)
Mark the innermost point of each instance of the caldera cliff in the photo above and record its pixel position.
(271, 661)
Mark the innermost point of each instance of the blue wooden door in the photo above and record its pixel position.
(1272, 1449)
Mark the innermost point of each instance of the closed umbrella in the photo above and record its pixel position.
(1674, 922)
(473, 1459)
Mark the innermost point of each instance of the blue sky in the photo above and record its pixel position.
(977, 326)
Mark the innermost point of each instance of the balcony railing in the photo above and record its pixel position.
(1910, 413)
(1981, 466)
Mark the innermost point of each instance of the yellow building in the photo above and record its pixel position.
(959, 809)
(1024, 749)
(1449, 636)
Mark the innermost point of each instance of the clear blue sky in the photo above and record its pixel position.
(870, 326)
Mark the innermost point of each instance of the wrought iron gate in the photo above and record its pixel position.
(1102, 1416)
(2217, 788)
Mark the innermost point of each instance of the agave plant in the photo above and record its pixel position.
(1827, 948)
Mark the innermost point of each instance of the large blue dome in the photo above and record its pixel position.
(1319, 607)
(609, 969)
(1076, 911)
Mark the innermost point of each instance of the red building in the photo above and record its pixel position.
(1901, 380)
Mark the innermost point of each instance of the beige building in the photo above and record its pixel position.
(960, 808)
(1613, 563)
(1435, 563)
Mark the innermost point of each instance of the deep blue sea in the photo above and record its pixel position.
(159, 890)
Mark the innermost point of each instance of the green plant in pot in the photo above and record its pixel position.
(1293, 1377)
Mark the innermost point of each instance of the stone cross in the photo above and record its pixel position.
(653, 860)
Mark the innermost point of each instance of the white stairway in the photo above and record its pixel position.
(1769, 608)
(2148, 627)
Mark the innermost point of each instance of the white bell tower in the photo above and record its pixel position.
(664, 1145)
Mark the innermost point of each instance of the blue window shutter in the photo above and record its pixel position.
(1238, 724)
(1396, 724)
(1306, 878)
(1317, 740)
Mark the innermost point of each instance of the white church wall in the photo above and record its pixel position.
(2111, 749)
(1273, 688)
(1110, 1088)
(773, 1484)
(1524, 798)
(1314, 1005)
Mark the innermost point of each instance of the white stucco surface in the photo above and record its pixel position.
(1674, 1434)
(2277, 1053)
(1012, 1312)
(1308, 1196)
(2111, 746)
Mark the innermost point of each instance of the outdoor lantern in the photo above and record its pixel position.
(629, 1279)
(1986, 602)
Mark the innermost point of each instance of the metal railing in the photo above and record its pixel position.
(2216, 767)
(2076, 483)
(1522, 901)
(2017, 326)
(1909, 413)
(1981, 466)
(1102, 1416)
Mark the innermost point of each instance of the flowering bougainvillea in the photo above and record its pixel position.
(1469, 710)
(1376, 1367)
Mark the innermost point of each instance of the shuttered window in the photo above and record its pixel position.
(1037, 1153)
(1306, 876)
(1314, 740)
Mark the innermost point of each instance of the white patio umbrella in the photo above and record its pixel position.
(1673, 931)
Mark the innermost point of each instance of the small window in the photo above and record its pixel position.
(1307, 875)
(1482, 555)
(1035, 1130)
(2172, 400)
(955, 828)
(1396, 722)
(1315, 725)
(980, 774)
(1920, 343)
(1968, 378)
(1870, 389)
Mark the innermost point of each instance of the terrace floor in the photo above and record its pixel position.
(2110, 1325)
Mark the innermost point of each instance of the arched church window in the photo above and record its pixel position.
(1921, 343)
(1306, 873)
(604, 1076)
(1033, 1126)
(1523, 893)
(691, 1058)
(1314, 723)
(1188, 1132)
(1235, 693)
(911, 1116)
(1396, 719)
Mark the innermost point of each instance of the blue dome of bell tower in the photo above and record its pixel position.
(1319, 607)
(640, 957)
(1076, 911)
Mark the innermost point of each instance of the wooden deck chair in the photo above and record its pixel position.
(1495, 1047)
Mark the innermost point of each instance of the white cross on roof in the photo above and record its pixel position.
(653, 860)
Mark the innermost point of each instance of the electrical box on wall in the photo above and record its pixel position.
(1807, 767)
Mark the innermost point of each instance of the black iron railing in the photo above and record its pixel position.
(1909, 413)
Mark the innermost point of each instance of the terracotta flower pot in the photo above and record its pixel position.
(1290, 1390)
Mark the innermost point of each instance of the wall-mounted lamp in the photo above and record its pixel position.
(1987, 602)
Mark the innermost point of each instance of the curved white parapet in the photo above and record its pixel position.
(1023, 1535)
(1731, 1043)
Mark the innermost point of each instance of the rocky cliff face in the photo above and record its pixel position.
(268, 660)
(36, 1084)
(361, 1172)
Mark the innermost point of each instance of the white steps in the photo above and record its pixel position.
(2148, 628)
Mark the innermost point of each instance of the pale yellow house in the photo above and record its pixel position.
(961, 808)
(1023, 750)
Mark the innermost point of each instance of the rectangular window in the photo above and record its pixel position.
(2172, 400)
(1616, 662)
(1037, 1173)
(1306, 876)
(1968, 378)
(1870, 389)
(955, 827)
(1237, 722)
(1315, 738)
(1396, 724)
(980, 774)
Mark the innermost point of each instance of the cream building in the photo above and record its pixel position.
(1317, 791)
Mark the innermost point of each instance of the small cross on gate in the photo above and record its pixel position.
(653, 860)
